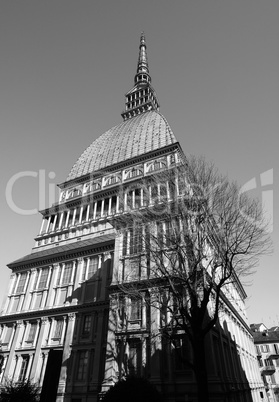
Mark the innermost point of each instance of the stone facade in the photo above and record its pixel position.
(63, 323)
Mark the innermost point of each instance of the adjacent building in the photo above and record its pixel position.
(63, 324)
(267, 349)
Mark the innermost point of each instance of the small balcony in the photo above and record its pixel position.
(268, 369)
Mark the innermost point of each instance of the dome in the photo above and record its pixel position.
(139, 135)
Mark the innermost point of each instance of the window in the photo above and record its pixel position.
(21, 283)
(87, 319)
(135, 240)
(96, 186)
(67, 273)
(23, 368)
(268, 362)
(8, 335)
(43, 279)
(135, 312)
(172, 159)
(32, 332)
(134, 172)
(112, 180)
(182, 352)
(58, 329)
(82, 363)
(135, 357)
(93, 266)
(265, 348)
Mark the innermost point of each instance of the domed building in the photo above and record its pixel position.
(63, 324)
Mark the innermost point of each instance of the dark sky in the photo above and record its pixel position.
(66, 65)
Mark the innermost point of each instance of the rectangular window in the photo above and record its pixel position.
(87, 319)
(9, 331)
(182, 352)
(265, 348)
(58, 329)
(21, 283)
(135, 240)
(82, 363)
(23, 368)
(67, 273)
(135, 313)
(43, 279)
(135, 357)
(93, 266)
(32, 332)
(276, 348)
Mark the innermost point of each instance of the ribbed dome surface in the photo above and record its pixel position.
(143, 133)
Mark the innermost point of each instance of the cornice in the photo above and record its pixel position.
(117, 166)
(63, 256)
(53, 311)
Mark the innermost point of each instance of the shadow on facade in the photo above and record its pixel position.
(81, 362)
(166, 367)
(134, 351)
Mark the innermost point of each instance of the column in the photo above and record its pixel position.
(12, 346)
(54, 223)
(25, 326)
(80, 214)
(109, 208)
(47, 290)
(13, 280)
(76, 289)
(66, 352)
(64, 329)
(40, 335)
(67, 218)
(95, 209)
(62, 273)
(87, 213)
(17, 360)
(48, 223)
(31, 357)
(74, 217)
(44, 362)
(133, 199)
(42, 226)
(50, 330)
(71, 284)
(30, 287)
(61, 220)
(102, 207)
(36, 334)
(86, 261)
(51, 291)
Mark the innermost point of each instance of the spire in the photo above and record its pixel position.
(142, 61)
(142, 96)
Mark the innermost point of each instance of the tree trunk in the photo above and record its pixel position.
(199, 360)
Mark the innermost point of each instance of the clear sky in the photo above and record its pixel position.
(66, 65)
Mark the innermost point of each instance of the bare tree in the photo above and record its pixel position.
(197, 236)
